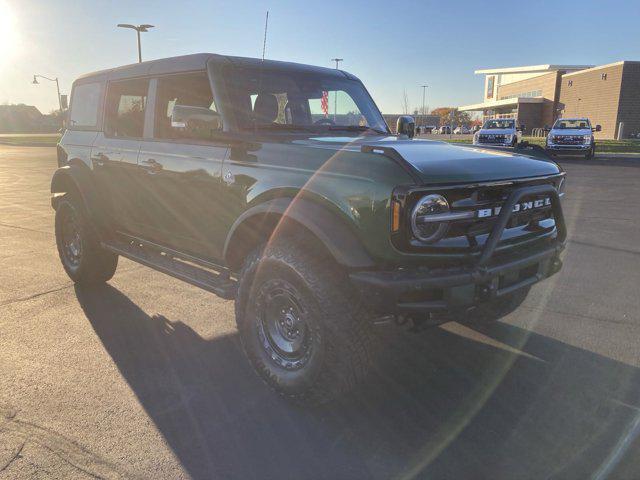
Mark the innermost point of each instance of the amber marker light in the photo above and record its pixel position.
(395, 216)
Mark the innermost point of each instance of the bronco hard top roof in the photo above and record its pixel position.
(195, 62)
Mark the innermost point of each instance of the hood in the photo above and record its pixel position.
(497, 131)
(571, 131)
(440, 162)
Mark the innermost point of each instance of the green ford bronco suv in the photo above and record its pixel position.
(280, 186)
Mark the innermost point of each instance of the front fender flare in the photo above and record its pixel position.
(327, 227)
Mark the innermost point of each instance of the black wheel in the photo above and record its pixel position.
(84, 260)
(298, 324)
(514, 142)
(589, 155)
(494, 309)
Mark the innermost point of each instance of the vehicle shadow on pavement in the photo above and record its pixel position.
(491, 401)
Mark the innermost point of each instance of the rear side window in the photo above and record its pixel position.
(125, 107)
(84, 106)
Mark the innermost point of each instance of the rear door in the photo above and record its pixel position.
(181, 171)
(116, 148)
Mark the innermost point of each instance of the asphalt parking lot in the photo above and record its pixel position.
(144, 377)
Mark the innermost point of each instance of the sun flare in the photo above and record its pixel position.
(9, 40)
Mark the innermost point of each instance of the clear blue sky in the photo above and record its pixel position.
(389, 45)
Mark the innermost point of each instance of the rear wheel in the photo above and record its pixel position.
(298, 324)
(82, 256)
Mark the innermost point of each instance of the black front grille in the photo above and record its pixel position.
(491, 138)
(468, 235)
(568, 139)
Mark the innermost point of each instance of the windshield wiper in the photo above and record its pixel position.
(357, 128)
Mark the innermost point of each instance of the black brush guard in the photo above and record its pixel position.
(398, 291)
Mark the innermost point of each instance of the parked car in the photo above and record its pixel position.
(461, 130)
(444, 129)
(499, 131)
(475, 128)
(226, 173)
(572, 136)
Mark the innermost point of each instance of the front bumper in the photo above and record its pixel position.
(493, 144)
(419, 291)
(411, 291)
(568, 149)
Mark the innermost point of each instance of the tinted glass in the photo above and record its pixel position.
(190, 90)
(125, 106)
(291, 98)
(84, 105)
(566, 124)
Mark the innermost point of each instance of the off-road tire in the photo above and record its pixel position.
(495, 309)
(340, 336)
(589, 155)
(94, 264)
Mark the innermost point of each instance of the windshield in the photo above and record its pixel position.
(297, 100)
(495, 124)
(575, 124)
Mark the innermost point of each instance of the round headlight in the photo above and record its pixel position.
(425, 226)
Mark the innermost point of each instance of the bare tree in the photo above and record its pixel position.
(405, 102)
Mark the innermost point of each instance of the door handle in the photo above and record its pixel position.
(151, 166)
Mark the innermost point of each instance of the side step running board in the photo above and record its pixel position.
(196, 272)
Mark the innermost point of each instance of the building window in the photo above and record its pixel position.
(570, 84)
(531, 94)
(603, 76)
(490, 85)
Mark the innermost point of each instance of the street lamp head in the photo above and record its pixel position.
(35, 81)
(140, 28)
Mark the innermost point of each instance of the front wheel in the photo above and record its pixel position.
(298, 323)
(81, 254)
(589, 155)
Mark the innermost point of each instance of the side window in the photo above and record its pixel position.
(84, 106)
(185, 108)
(125, 106)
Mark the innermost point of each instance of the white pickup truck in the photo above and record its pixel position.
(499, 131)
(572, 136)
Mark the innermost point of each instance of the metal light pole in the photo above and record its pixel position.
(335, 99)
(138, 29)
(35, 82)
(424, 92)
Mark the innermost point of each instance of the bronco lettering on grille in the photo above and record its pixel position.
(518, 207)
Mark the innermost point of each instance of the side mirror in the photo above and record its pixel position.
(406, 126)
(547, 128)
(195, 122)
(598, 128)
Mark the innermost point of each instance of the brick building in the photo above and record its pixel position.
(608, 95)
(537, 95)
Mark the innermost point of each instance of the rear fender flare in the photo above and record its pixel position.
(78, 179)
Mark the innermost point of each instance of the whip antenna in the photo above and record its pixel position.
(264, 42)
